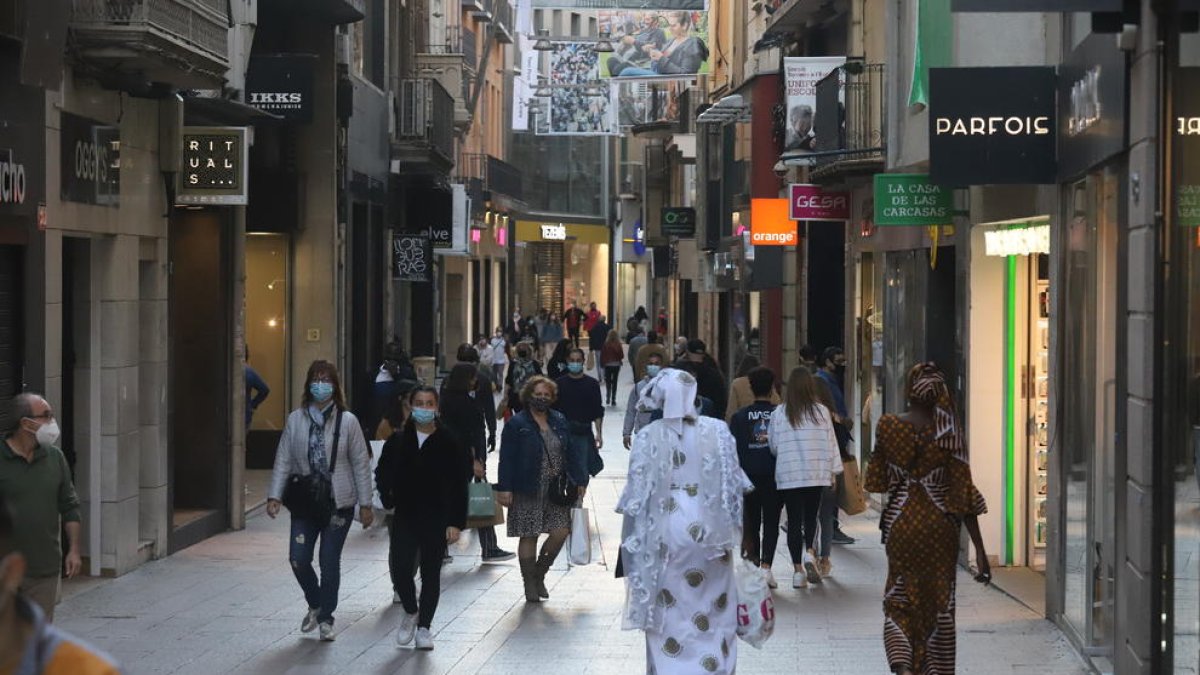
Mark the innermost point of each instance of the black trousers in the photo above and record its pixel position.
(573, 333)
(803, 505)
(425, 545)
(611, 374)
(762, 509)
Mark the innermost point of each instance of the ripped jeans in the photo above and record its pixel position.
(303, 542)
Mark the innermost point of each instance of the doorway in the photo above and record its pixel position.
(200, 324)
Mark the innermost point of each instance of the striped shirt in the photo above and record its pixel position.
(805, 455)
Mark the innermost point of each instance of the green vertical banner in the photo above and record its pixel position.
(934, 38)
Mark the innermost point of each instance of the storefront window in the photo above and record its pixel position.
(266, 323)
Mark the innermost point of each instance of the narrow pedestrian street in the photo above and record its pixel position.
(230, 605)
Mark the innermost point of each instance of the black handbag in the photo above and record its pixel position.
(561, 490)
(310, 496)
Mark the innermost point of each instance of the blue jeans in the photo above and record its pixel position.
(303, 542)
(827, 518)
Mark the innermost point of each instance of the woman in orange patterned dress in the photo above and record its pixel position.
(920, 460)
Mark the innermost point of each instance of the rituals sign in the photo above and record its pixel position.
(214, 166)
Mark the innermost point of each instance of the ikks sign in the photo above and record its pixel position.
(282, 84)
(215, 165)
(993, 126)
(810, 202)
(911, 199)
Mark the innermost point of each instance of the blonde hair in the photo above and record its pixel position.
(532, 383)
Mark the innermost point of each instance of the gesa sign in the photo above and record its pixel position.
(992, 126)
(810, 202)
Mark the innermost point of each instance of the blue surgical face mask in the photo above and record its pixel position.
(321, 391)
(575, 368)
(423, 415)
(653, 370)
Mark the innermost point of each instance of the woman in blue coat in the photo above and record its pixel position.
(534, 450)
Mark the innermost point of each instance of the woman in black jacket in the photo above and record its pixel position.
(423, 474)
(462, 415)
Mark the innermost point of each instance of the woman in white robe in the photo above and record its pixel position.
(683, 518)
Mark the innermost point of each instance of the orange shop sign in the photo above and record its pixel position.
(771, 224)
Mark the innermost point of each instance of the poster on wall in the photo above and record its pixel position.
(580, 111)
(801, 75)
(647, 102)
(664, 44)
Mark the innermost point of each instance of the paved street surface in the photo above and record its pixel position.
(231, 605)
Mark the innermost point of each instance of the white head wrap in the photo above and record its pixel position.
(672, 391)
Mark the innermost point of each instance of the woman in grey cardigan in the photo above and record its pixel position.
(318, 434)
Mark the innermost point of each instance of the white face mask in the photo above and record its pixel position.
(47, 434)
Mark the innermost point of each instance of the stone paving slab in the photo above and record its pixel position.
(231, 605)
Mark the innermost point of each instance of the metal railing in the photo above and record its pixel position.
(489, 173)
(851, 116)
(199, 24)
(425, 113)
(452, 42)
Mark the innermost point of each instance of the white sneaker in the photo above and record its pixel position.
(799, 580)
(424, 639)
(327, 632)
(310, 620)
(810, 567)
(395, 598)
(408, 627)
(771, 583)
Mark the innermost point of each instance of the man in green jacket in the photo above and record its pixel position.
(36, 482)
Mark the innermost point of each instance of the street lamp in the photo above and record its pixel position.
(543, 43)
(543, 90)
(604, 45)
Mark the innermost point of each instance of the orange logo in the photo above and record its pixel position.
(771, 224)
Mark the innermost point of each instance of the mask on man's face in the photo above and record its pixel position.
(575, 367)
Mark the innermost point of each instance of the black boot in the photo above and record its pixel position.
(544, 561)
(528, 575)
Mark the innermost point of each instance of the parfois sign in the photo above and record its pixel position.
(993, 126)
(911, 199)
(810, 202)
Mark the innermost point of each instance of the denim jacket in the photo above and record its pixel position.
(522, 453)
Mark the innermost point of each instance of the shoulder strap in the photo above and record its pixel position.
(337, 434)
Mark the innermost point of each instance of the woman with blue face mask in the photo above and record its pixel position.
(423, 474)
(321, 436)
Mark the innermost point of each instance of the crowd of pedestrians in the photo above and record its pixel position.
(713, 467)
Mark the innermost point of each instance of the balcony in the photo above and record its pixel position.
(449, 64)
(502, 23)
(182, 43)
(850, 123)
(485, 176)
(482, 11)
(424, 141)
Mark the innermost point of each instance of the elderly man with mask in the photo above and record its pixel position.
(36, 481)
(683, 522)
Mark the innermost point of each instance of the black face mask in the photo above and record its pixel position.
(539, 404)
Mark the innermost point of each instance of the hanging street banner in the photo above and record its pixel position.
(647, 102)
(812, 202)
(585, 5)
(523, 84)
(574, 63)
(576, 111)
(800, 78)
(911, 199)
(662, 44)
(412, 258)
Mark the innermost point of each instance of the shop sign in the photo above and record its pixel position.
(770, 224)
(441, 235)
(215, 165)
(460, 223)
(90, 161)
(1017, 241)
(282, 84)
(993, 126)
(678, 222)
(13, 179)
(811, 202)
(911, 199)
(1035, 6)
(22, 147)
(554, 232)
(1092, 85)
(1185, 149)
(412, 258)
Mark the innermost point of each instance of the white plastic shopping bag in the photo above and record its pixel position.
(376, 502)
(755, 608)
(579, 545)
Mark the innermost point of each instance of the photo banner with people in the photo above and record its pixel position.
(586, 5)
(640, 102)
(663, 44)
(579, 111)
(801, 75)
(574, 63)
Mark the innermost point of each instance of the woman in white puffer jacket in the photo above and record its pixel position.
(806, 459)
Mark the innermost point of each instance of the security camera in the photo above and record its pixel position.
(780, 169)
